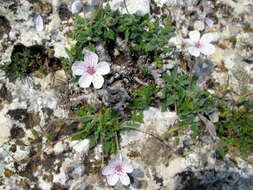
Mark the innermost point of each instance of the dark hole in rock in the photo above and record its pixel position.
(18, 114)
(64, 12)
(13, 148)
(59, 129)
(17, 132)
(57, 186)
(5, 94)
(33, 1)
(26, 60)
(5, 27)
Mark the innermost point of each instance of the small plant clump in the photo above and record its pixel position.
(99, 126)
(182, 94)
(141, 35)
(235, 127)
(142, 98)
(26, 60)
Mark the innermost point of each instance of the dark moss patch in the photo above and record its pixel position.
(57, 186)
(60, 129)
(5, 26)
(17, 132)
(32, 120)
(64, 12)
(5, 94)
(26, 60)
(213, 180)
(21, 115)
(18, 114)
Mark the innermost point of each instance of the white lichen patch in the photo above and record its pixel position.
(159, 121)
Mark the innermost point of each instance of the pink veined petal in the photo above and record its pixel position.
(112, 179)
(194, 51)
(103, 68)
(189, 42)
(207, 49)
(124, 178)
(127, 168)
(85, 81)
(91, 58)
(206, 38)
(108, 170)
(78, 68)
(194, 35)
(97, 81)
(39, 23)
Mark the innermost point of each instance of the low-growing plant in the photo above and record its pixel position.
(182, 94)
(21, 65)
(142, 98)
(235, 126)
(99, 126)
(139, 33)
(26, 60)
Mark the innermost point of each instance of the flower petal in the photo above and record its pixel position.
(127, 168)
(112, 179)
(108, 170)
(207, 49)
(78, 68)
(206, 38)
(39, 23)
(103, 68)
(189, 41)
(124, 178)
(194, 51)
(194, 35)
(91, 58)
(76, 7)
(85, 81)
(98, 81)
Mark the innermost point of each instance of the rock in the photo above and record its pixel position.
(80, 147)
(59, 147)
(159, 121)
(141, 8)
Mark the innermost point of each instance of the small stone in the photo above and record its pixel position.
(80, 146)
(59, 147)
(76, 7)
(141, 8)
(137, 173)
(199, 25)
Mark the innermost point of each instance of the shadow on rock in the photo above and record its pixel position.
(213, 180)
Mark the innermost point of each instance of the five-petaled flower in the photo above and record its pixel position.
(200, 45)
(90, 71)
(117, 170)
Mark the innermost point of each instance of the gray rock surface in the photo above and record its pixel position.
(32, 108)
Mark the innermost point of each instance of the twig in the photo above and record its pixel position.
(149, 133)
(117, 145)
(140, 82)
(100, 4)
(126, 6)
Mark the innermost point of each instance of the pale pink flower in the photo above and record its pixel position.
(117, 170)
(200, 45)
(90, 71)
